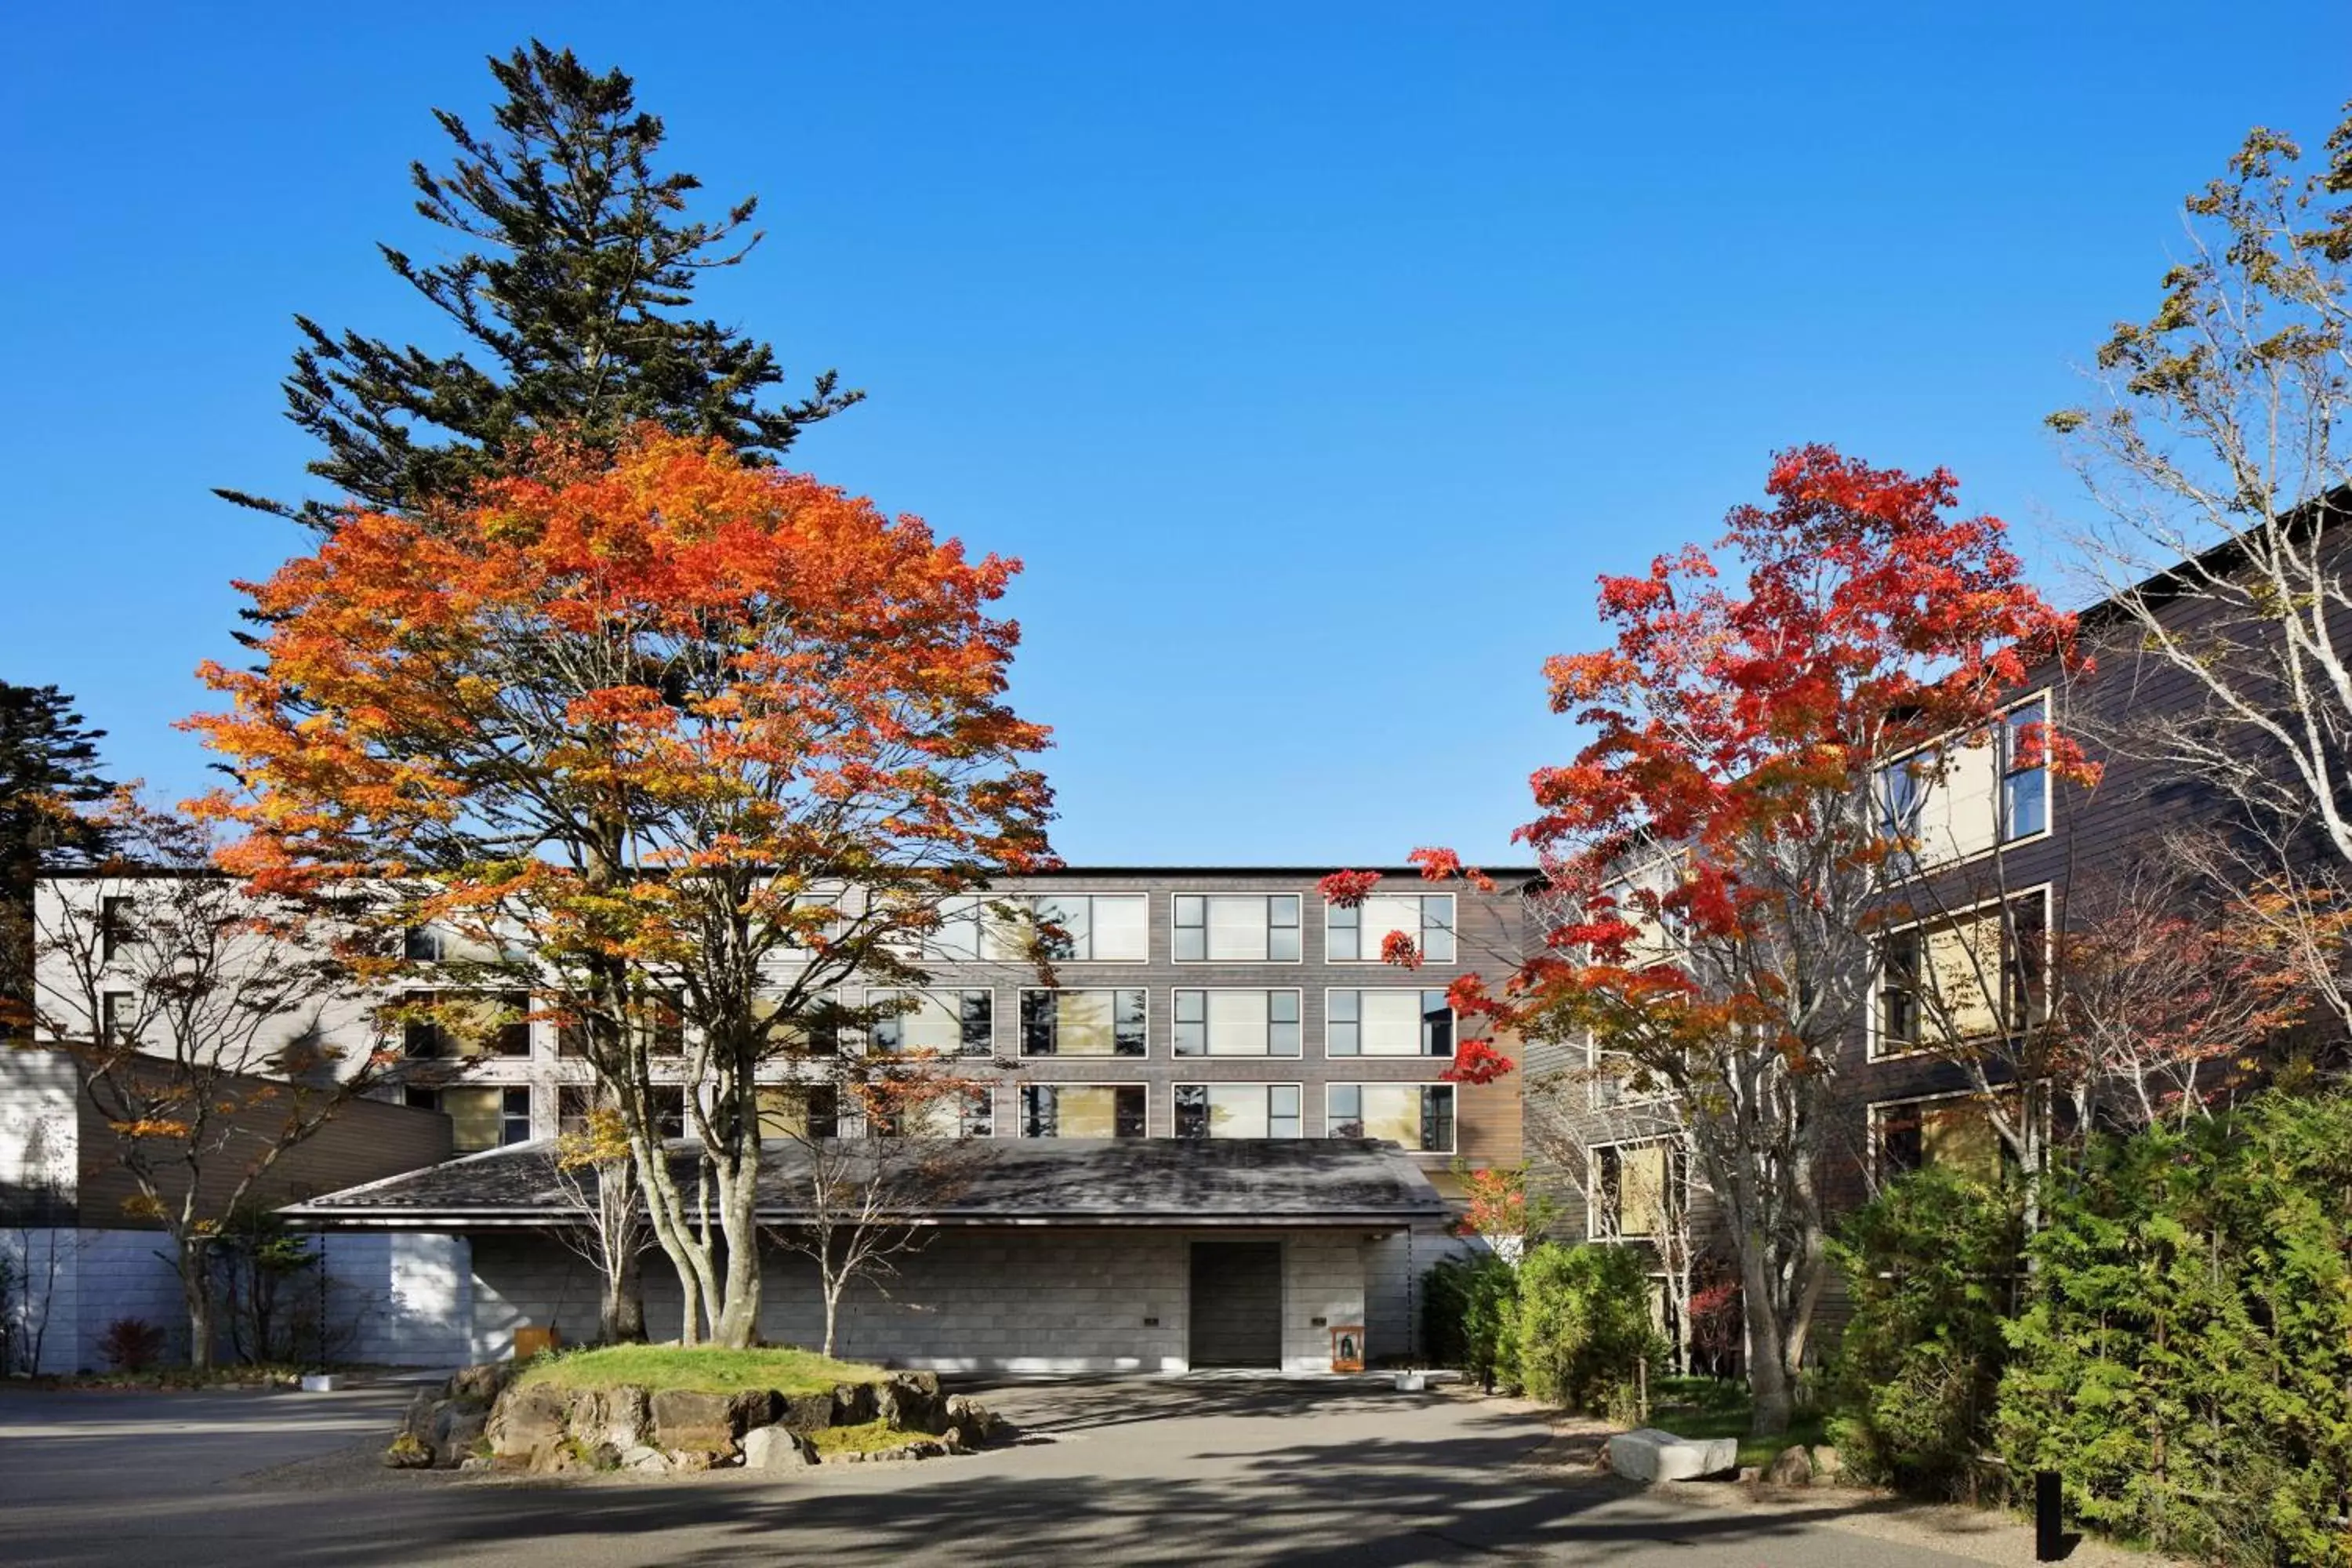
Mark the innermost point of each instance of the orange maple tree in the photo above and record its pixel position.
(1720, 849)
(696, 739)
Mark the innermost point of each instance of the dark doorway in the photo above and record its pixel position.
(1236, 1315)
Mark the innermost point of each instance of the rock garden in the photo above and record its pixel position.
(664, 1410)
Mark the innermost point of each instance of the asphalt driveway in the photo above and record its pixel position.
(1112, 1472)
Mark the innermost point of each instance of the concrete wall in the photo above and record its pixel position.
(394, 1299)
(1060, 1300)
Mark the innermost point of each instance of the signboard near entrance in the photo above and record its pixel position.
(1347, 1347)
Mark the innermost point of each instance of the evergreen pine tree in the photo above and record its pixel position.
(48, 760)
(573, 305)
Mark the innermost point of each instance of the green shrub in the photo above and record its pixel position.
(2185, 1352)
(1583, 1328)
(1467, 1307)
(1931, 1267)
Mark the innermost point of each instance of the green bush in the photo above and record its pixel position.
(2184, 1357)
(1468, 1308)
(1583, 1328)
(1931, 1267)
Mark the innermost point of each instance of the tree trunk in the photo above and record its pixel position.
(624, 1300)
(737, 1322)
(832, 1312)
(1768, 1371)
(196, 1291)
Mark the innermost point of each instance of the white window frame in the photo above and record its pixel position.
(869, 997)
(1212, 1084)
(1235, 893)
(1363, 1056)
(1875, 1046)
(1021, 1039)
(1675, 1155)
(1022, 1087)
(1921, 862)
(1361, 1084)
(1030, 897)
(1207, 1055)
(1875, 1115)
(1453, 925)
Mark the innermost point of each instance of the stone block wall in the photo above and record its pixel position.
(394, 1299)
(1061, 1300)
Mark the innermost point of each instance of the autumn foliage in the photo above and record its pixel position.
(762, 642)
(688, 736)
(1718, 856)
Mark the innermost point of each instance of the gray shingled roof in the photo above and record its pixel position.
(1063, 1180)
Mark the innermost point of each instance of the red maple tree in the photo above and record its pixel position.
(1719, 849)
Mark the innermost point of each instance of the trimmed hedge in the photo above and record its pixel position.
(1571, 1324)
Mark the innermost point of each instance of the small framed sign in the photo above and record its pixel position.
(1347, 1347)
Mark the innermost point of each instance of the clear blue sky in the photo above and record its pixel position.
(1315, 359)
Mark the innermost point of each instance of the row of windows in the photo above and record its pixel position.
(1634, 1188)
(1115, 928)
(1107, 1022)
(1417, 1116)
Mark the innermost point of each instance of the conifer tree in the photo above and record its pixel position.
(573, 299)
(48, 765)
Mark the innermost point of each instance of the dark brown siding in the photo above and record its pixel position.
(366, 1141)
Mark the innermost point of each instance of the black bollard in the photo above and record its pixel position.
(2049, 1501)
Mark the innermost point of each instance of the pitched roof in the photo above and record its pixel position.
(1014, 1181)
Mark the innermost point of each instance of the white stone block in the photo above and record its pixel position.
(1648, 1454)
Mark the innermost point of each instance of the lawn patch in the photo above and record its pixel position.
(1704, 1407)
(697, 1369)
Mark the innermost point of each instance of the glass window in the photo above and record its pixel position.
(1955, 1134)
(119, 1015)
(1418, 1115)
(1357, 934)
(1391, 1022)
(668, 1107)
(1237, 928)
(482, 1116)
(1082, 1023)
(1635, 1187)
(946, 1023)
(1899, 992)
(1094, 928)
(1082, 1110)
(421, 945)
(799, 1111)
(1235, 1022)
(1237, 1111)
(2025, 777)
(114, 922)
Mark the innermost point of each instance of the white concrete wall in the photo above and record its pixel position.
(1393, 1267)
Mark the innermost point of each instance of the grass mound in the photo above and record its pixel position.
(697, 1369)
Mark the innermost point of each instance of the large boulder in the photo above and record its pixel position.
(853, 1403)
(975, 1421)
(482, 1384)
(528, 1425)
(618, 1418)
(910, 1402)
(777, 1447)
(709, 1423)
(812, 1411)
(1827, 1466)
(459, 1429)
(1648, 1454)
(1791, 1466)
